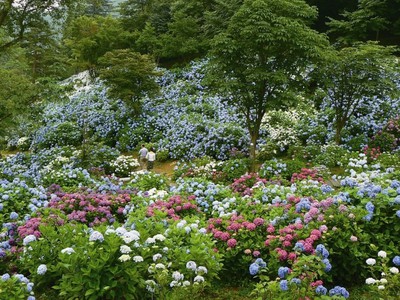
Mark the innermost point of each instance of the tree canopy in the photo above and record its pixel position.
(262, 55)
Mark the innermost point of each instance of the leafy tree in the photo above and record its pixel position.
(89, 38)
(262, 56)
(130, 76)
(359, 24)
(17, 91)
(353, 75)
(371, 20)
(18, 16)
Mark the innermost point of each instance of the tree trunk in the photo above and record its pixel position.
(339, 127)
(253, 146)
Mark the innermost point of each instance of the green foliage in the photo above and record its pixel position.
(332, 156)
(389, 160)
(17, 94)
(266, 46)
(356, 74)
(304, 153)
(363, 24)
(277, 169)
(130, 75)
(235, 168)
(65, 134)
(145, 181)
(120, 262)
(162, 156)
(89, 38)
(14, 288)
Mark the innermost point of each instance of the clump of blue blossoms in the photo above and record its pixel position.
(339, 291)
(256, 266)
(370, 208)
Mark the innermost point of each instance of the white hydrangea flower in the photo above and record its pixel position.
(124, 249)
(156, 256)
(198, 278)
(371, 261)
(394, 270)
(137, 258)
(124, 258)
(159, 237)
(68, 251)
(191, 265)
(382, 254)
(370, 281)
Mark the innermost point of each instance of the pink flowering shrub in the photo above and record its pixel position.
(307, 174)
(244, 184)
(92, 208)
(372, 153)
(32, 225)
(175, 208)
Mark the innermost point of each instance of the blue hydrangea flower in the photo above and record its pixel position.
(327, 264)
(370, 207)
(299, 246)
(261, 262)
(295, 281)
(321, 290)
(339, 291)
(321, 250)
(13, 215)
(396, 260)
(254, 268)
(284, 285)
(283, 271)
(5, 277)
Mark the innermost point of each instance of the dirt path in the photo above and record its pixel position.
(166, 168)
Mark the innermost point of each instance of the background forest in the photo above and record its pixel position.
(325, 63)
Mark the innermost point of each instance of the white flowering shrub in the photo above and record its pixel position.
(123, 165)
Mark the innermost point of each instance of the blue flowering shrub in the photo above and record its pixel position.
(18, 200)
(62, 134)
(184, 121)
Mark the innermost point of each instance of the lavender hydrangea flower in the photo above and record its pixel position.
(42, 269)
(96, 236)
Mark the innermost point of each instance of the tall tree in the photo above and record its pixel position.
(130, 76)
(17, 91)
(357, 74)
(262, 54)
(89, 38)
(377, 20)
(18, 16)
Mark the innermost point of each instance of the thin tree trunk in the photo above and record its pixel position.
(252, 148)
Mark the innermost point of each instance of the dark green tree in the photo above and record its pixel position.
(18, 17)
(17, 91)
(89, 38)
(357, 74)
(262, 56)
(130, 76)
(377, 20)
